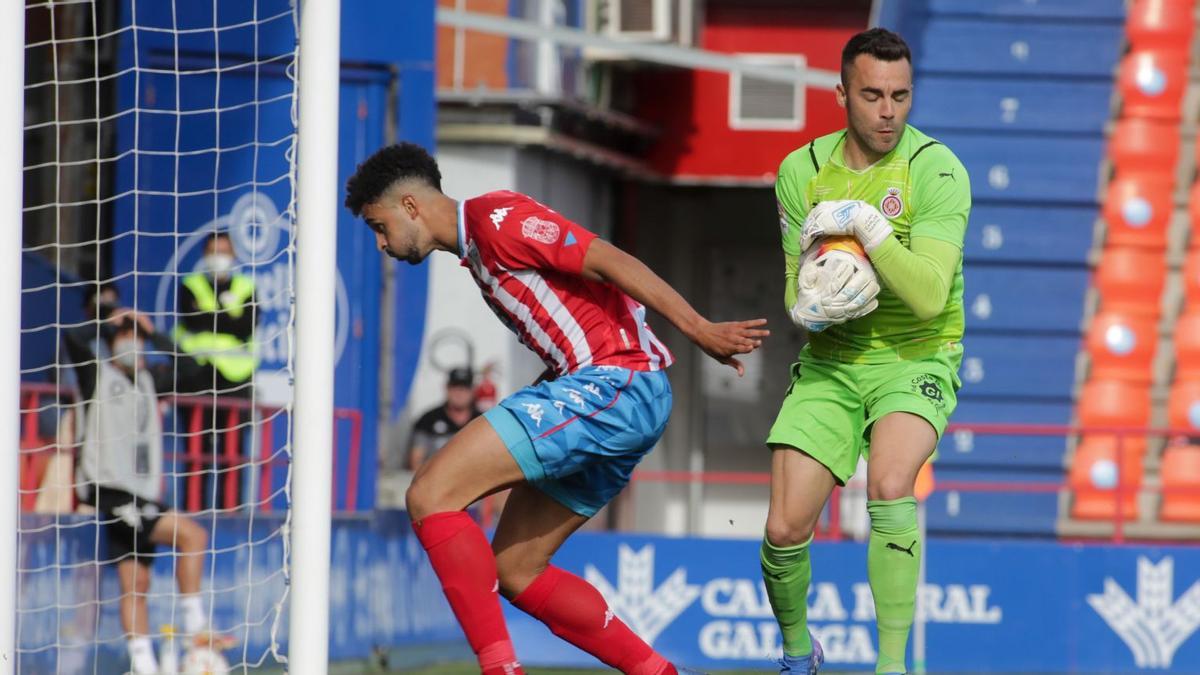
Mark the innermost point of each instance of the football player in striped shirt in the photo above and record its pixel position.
(565, 445)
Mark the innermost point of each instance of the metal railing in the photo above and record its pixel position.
(830, 525)
(250, 449)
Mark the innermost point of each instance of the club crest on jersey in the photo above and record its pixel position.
(545, 231)
(891, 205)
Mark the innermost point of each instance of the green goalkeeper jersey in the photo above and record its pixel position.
(924, 191)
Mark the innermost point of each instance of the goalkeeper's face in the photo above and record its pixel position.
(877, 96)
(399, 229)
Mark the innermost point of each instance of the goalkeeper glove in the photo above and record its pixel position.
(847, 216)
(833, 290)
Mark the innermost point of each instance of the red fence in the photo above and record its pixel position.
(231, 420)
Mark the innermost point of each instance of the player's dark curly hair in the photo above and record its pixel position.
(388, 165)
(880, 43)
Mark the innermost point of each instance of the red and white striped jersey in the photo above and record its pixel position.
(527, 260)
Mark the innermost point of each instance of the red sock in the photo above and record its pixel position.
(465, 565)
(576, 612)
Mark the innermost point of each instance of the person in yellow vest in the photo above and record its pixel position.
(217, 314)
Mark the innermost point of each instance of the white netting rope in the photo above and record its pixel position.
(149, 127)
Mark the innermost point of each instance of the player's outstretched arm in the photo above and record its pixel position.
(722, 341)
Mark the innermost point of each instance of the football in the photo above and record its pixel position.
(844, 243)
(204, 661)
(836, 284)
(819, 265)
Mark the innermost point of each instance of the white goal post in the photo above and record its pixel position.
(12, 127)
(316, 265)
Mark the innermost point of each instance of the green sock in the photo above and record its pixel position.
(786, 573)
(893, 561)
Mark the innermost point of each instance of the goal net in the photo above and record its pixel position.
(157, 334)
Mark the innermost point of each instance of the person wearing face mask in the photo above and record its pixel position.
(120, 472)
(216, 327)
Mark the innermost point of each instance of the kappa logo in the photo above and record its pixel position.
(645, 609)
(535, 412)
(498, 215)
(1156, 625)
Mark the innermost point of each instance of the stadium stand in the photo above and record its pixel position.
(1151, 84)
(1126, 277)
(1144, 232)
(1181, 484)
(1138, 209)
(1155, 23)
(1122, 346)
(1101, 463)
(1144, 146)
(1022, 93)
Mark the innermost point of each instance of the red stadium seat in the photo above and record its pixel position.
(1131, 280)
(1183, 405)
(1161, 24)
(1101, 463)
(1187, 345)
(1138, 209)
(1144, 146)
(1113, 403)
(1151, 83)
(1122, 347)
(1180, 472)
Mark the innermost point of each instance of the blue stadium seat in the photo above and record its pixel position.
(1020, 366)
(965, 448)
(996, 513)
(1042, 234)
(995, 47)
(1010, 104)
(1026, 299)
(1092, 10)
(1011, 167)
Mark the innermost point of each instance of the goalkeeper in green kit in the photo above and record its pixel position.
(879, 374)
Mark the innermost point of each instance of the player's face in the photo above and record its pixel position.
(398, 230)
(877, 97)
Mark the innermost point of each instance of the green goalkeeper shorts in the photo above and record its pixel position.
(830, 405)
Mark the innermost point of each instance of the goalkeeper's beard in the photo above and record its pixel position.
(866, 137)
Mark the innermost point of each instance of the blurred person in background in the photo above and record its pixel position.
(881, 385)
(216, 327)
(120, 471)
(439, 424)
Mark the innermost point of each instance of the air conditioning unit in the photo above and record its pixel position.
(766, 105)
(648, 20)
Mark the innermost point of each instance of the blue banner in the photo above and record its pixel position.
(1007, 606)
